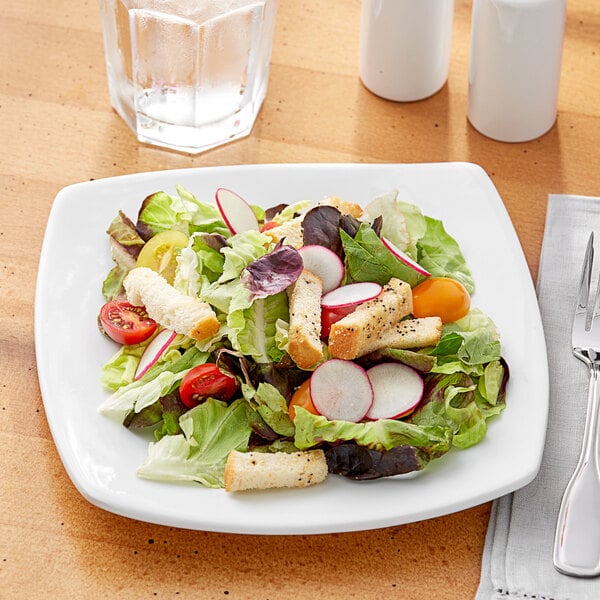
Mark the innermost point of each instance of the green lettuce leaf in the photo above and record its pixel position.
(125, 245)
(367, 259)
(163, 377)
(256, 331)
(440, 254)
(380, 435)
(160, 212)
(289, 212)
(138, 395)
(467, 344)
(120, 369)
(403, 223)
(452, 402)
(198, 266)
(271, 406)
(210, 431)
(243, 249)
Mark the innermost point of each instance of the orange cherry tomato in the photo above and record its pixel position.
(442, 297)
(302, 398)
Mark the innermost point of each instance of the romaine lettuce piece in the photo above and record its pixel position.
(440, 254)
(242, 249)
(211, 431)
(403, 223)
(290, 211)
(156, 382)
(271, 406)
(198, 265)
(467, 343)
(160, 212)
(256, 330)
(380, 435)
(120, 369)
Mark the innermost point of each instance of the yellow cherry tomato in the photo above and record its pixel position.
(160, 252)
(442, 297)
(302, 398)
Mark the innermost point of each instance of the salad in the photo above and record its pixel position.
(325, 331)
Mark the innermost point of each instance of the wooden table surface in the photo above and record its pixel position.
(57, 128)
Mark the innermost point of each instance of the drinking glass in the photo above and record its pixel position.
(188, 75)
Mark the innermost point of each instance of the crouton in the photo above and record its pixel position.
(304, 336)
(169, 307)
(261, 471)
(291, 232)
(410, 333)
(346, 208)
(358, 330)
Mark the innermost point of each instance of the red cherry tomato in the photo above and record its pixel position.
(329, 316)
(302, 398)
(442, 297)
(126, 323)
(269, 225)
(206, 381)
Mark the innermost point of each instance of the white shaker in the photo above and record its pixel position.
(405, 47)
(514, 70)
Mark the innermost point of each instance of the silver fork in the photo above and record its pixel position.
(577, 538)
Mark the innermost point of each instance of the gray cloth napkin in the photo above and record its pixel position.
(517, 558)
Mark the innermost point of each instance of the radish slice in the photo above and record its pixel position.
(407, 260)
(324, 263)
(397, 390)
(341, 301)
(154, 350)
(236, 212)
(352, 294)
(341, 390)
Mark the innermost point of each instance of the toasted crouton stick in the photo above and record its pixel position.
(304, 337)
(411, 333)
(349, 336)
(169, 307)
(261, 471)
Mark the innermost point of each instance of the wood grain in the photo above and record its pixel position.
(57, 128)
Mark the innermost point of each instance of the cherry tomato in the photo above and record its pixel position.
(302, 398)
(442, 297)
(126, 323)
(206, 381)
(159, 253)
(269, 225)
(329, 316)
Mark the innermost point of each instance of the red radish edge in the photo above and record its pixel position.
(341, 390)
(352, 294)
(397, 390)
(236, 212)
(154, 350)
(324, 263)
(407, 260)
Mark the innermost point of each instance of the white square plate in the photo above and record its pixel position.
(101, 457)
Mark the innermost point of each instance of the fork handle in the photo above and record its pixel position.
(577, 538)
